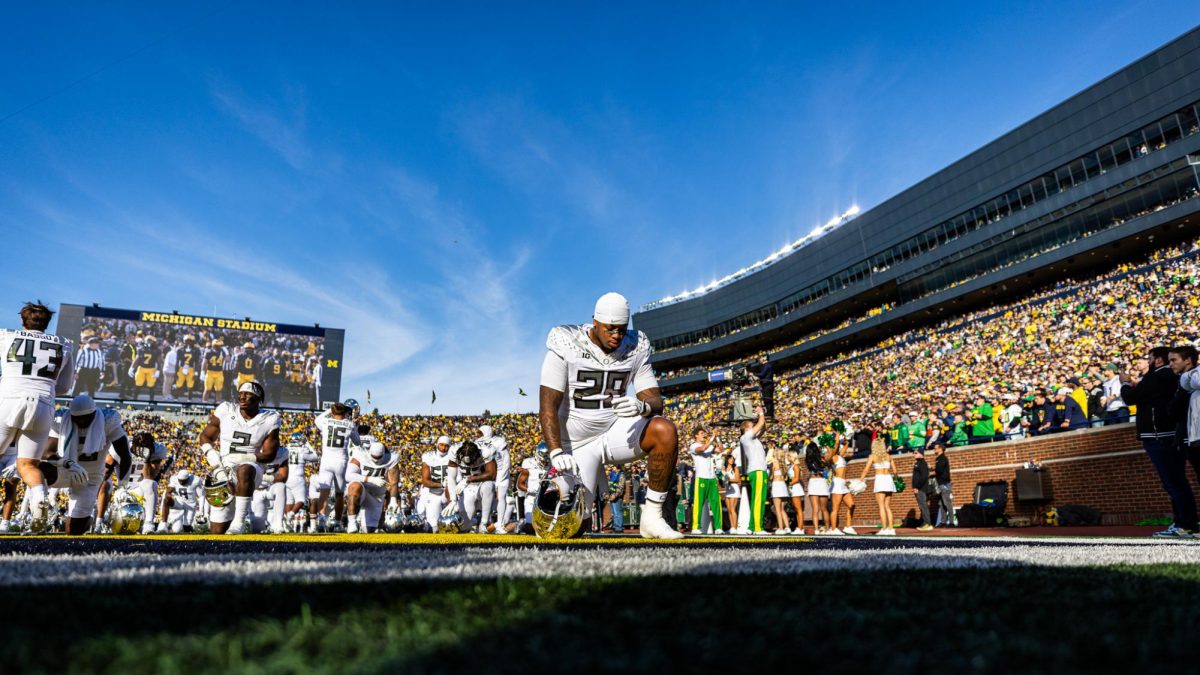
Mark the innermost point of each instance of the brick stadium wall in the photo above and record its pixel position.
(1104, 468)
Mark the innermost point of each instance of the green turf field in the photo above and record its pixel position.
(1126, 619)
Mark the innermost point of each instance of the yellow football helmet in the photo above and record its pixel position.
(560, 508)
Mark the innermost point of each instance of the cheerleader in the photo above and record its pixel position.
(885, 485)
(796, 489)
(777, 464)
(816, 459)
(731, 482)
(841, 491)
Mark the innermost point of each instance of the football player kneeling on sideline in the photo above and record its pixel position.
(184, 494)
(81, 435)
(371, 474)
(140, 483)
(249, 439)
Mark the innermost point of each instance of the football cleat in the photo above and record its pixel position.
(352, 525)
(238, 527)
(163, 529)
(653, 526)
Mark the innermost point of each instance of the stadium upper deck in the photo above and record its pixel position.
(1108, 173)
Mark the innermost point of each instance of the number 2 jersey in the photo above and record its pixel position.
(35, 363)
(244, 436)
(591, 378)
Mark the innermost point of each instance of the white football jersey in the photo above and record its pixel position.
(374, 471)
(336, 437)
(535, 475)
(485, 456)
(141, 457)
(240, 435)
(436, 462)
(281, 459)
(186, 493)
(35, 363)
(300, 455)
(591, 379)
(499, 452)
(88, 447)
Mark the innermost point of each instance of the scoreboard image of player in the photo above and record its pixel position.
(168, 357)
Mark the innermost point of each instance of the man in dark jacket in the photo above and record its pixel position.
(766, 382)
(941, 471)
(1152, 387)
(921, 485)
(1068, 416)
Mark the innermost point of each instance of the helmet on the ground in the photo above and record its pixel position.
(128, 518)
(393, 522)
(217, 490)
(559, 510)
(451, 524)
(415, 523)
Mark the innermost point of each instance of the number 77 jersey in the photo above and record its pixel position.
(591, 378)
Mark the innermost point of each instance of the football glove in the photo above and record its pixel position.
(563, 461)
(450, 509)
(211, 455)
(630, 406)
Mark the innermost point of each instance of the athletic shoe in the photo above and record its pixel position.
(237, 527)
(653, 526)
(162, 528)
(1173, 532)
(352, 525)
(149, 528)
(5, 526)
(834, 532)
(783, 530)
(887, 533)
(740, 531)
(925, 528)
(761, 532)
(849, 530)
(798, 530)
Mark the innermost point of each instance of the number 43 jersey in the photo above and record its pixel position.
(35, 363)
(591, 379)
(240, 435)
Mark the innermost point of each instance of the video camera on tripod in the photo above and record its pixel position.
(743, 387)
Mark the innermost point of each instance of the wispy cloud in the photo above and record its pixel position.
(285, 134)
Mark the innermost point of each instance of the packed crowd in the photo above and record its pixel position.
(994, 373)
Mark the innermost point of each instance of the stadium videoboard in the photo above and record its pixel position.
(136, 355)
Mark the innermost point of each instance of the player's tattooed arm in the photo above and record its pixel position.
(652, 396)
(549, 400)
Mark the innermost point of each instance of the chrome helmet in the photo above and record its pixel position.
(128, 518)
(560, 507)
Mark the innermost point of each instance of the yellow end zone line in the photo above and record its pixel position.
(415, 539)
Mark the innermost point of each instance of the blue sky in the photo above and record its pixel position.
(447, 182)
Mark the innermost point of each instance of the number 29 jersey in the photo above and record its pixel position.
(240, 435)
(590, 378)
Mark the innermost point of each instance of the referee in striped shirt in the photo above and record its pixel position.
(89, 366)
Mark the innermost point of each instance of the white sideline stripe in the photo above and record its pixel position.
(108, 569)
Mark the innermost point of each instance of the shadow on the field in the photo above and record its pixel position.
(1024, 619)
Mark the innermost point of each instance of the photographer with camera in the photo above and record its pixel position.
(765, 375)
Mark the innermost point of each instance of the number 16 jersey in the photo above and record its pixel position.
(591, 378)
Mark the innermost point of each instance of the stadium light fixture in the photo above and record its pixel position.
(771, 259)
